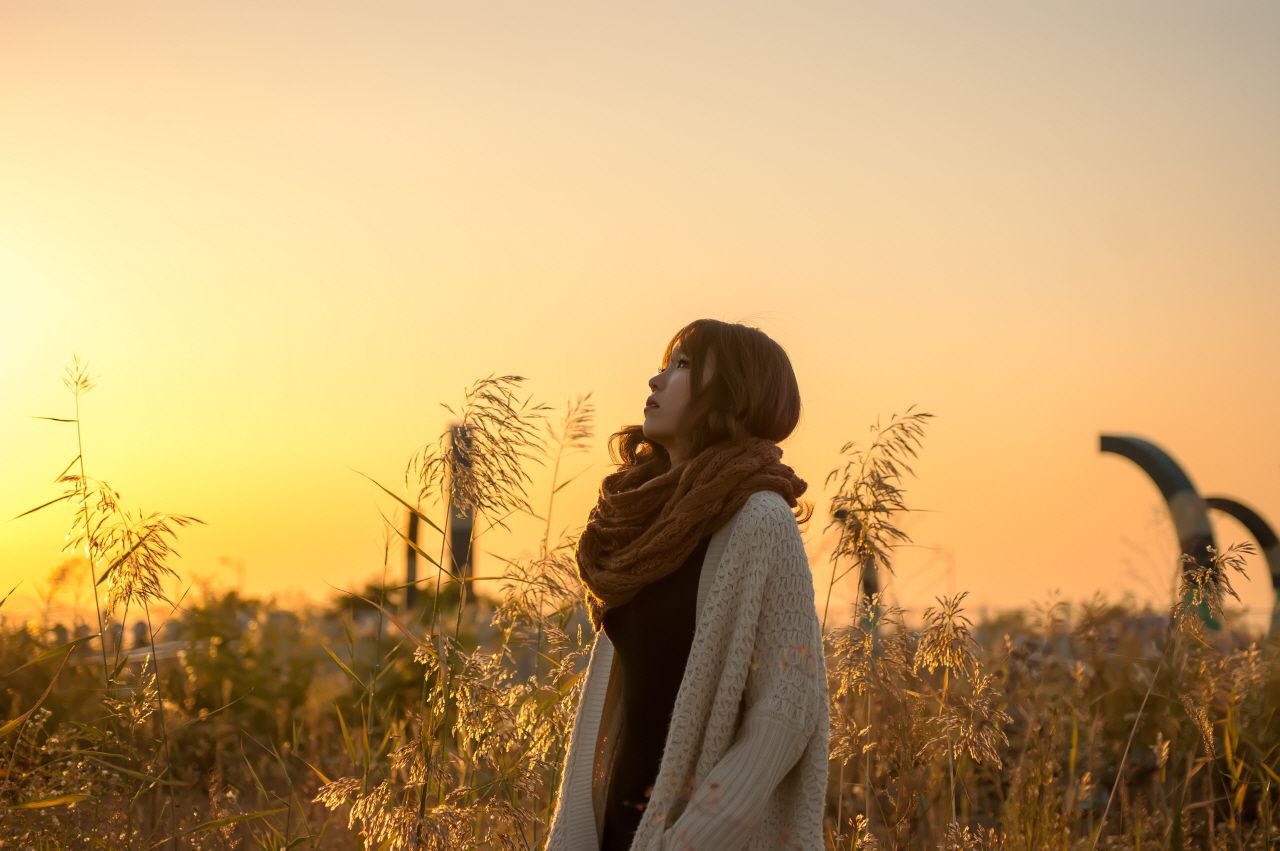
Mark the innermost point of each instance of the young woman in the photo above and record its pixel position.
(702, 721)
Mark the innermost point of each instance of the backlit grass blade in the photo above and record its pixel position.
(10, 726)
(46, 505)
(343, 666)
(222, 822)
(424, 518)
(49, 654)
(59, 801)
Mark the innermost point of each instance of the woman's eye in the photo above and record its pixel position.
(677, 362)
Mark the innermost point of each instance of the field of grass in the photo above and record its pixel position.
(228, 722)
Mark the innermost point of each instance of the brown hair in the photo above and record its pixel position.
(752, 391)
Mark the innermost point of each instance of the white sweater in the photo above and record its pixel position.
(744, 767)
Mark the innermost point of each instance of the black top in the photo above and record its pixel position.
(651, 636)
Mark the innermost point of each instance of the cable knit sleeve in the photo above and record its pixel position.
(781, 690)
(573, 820)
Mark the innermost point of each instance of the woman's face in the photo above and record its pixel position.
(664, 421)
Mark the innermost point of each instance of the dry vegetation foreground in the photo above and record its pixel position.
(216, 721)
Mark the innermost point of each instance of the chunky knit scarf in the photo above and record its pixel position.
(640, 531)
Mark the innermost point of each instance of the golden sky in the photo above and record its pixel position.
(282, 234)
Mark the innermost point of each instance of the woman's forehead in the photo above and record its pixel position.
(682, 344)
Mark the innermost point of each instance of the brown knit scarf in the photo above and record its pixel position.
(638, 532)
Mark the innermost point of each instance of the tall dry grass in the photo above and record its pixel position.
(236, 723)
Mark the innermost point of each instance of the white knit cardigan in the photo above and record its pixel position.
(744, 766)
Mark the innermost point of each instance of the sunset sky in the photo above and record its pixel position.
(281, 235)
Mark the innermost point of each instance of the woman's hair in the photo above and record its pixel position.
(752, 391)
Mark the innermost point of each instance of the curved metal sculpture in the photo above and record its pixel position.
(1189, 511)
(1266, 538)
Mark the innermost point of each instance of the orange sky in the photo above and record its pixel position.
(282, 234)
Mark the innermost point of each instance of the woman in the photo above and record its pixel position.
(702, 721)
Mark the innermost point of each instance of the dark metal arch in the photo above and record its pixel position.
(1188, 509)
(1265, 536)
